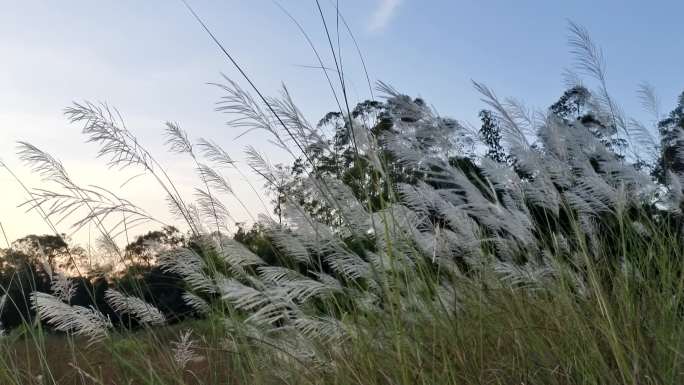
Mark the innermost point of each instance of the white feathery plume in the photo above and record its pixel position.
(515, 132)
(384, 263)
(296, 286)
(215, 153)
(594, 194)
(329, 281)
(238, 256)
(214, 211)
(188, 264)
(501, 175)
(249, 113)
(464, 232)
(3, 302)
(78, 320)
(326, 329)
(260, 165)
(44, 164)
(197, 303)
(649, 100)
(278, 274)
(134, 306)
(184, 349)
(352, 211)
(541, 192)
(528, 274)
(215, 180)
(288, 242)
(62, 287)
(348, 264)
(182, 261)
(313, 234)
(241, 296)
(290, 115)
(266, 307)
(421, 197)
(177, 139)
(642, 136)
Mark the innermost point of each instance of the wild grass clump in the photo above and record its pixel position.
(398, 253)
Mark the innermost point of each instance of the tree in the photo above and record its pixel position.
(358, 154)
(346, 157)
(571, 103)
(21, 274)
(671, 131)
(146, 247)
(577, 105)
(491, 136)
(50, 249)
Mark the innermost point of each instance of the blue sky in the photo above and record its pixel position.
(152, 61)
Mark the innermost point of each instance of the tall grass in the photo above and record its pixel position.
(563, 267)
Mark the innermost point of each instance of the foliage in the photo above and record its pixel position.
(491, 137)
(145, 247)
(671, 142)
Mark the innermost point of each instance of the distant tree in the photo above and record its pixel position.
(256, 239)
(572, 103)
(146, 247)
(357, 154)
(50, 249)
(671, 131)
(490, 132)
(577, 106)
(20, 275)
(342, 156)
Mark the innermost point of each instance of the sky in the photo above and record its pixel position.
(152, 61)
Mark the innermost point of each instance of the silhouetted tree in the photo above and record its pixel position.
(21, 275)
(671, 131)
(147, 246)
(50, 249)
(490, 132)
(577, 106)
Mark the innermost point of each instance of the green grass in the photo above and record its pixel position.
(627, 329)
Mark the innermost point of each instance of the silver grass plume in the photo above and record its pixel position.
(265, 306)
(287, 241)
(105, 127)
(326, 329)
(184, 349)
(135, 307)
(77, 320)
(238, 256)
(189, 265)
(3, 303)
(296, 286)
(62, 287)
(197, 303)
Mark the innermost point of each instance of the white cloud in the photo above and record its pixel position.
(383, 14)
